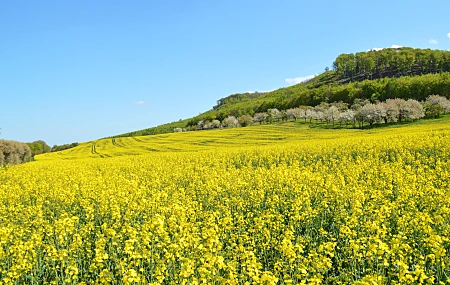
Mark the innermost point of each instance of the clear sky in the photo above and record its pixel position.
(81, 70)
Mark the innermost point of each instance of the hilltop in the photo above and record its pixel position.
(374, 75)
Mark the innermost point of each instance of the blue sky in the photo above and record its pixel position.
(81, 70)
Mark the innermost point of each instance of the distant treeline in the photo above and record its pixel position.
(13, 152)
(64, 146)
(237, 98)
(391, 62)
(39, 147)
(161, 129)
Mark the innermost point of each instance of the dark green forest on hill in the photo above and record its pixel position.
(376, 75)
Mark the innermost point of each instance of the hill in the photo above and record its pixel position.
(373, 75)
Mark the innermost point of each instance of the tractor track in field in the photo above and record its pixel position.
(94, 151)
(136, 139)
(116, 144)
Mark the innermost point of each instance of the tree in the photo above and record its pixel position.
(200, 125)
(45, 147)
(318, 115)
(432, 110)
(339, 65)
(372, 113)
(361, 62)
(207, 125)
(295, 113)
(331, 114)
(347, 117)
(401, 106)
(341, 106)
(410, 59)
(351, 65)
(282, 116)
(13, 152)
(310, 114)
(259, 117)
(359, 103)
(435, 105)
(303, 112)
(230, 122)
(36, 148)
(291, 114)
(370, 65)
(215, 124)
(422, 59)
(435, 60)
(273, 114)
(392, 111)
(245, 120)
(415, 111)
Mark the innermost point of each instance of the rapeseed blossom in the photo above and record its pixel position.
(362, 210)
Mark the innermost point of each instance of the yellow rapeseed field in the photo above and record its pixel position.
(260, 205)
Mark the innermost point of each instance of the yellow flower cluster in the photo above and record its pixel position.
(372, 209)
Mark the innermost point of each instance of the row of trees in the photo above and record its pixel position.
(360, 112)
(64, 146)
(13, 152)
(40, 146)
(391, 62)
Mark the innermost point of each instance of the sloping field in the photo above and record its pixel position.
(261, 205)
(230, 138)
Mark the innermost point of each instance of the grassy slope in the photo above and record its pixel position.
(324, 88)
(244, 101)
(417, 81)
(239, 137)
